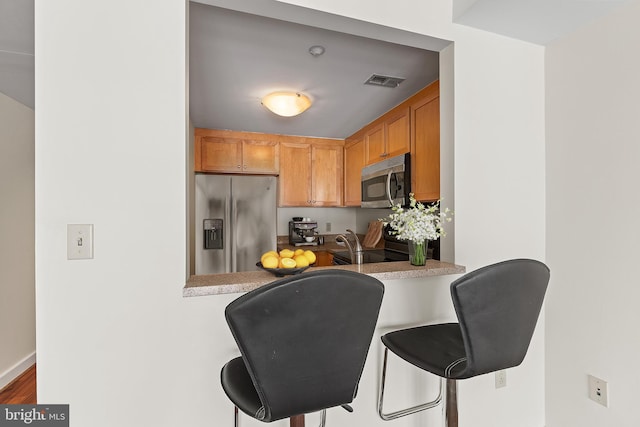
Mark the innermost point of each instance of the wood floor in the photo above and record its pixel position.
(22, 390)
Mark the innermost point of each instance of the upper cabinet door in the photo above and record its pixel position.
(219, 154)
(295, 174)
(398, 133)
(354, 155)
(425, 154)
(374, 144)
(326, 178)
(260, 156)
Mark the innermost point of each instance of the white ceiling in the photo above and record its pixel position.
(536, 21)
(237, 58)
(272, 54)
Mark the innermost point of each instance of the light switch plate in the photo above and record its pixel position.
(79, 241)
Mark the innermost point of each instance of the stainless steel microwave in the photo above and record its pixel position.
(387, 183)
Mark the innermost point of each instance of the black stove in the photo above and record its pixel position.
(394, 250)
(370, 256)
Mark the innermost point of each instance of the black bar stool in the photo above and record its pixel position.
(497, 308)
(304, 340)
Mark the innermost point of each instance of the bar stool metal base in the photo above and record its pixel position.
(413, 409)
(451, 404)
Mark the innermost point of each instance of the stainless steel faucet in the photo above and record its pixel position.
(356, 254)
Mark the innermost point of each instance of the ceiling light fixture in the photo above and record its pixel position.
(316, 50)
(286, 104)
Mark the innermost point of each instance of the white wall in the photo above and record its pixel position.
(115, 338)
(17, 251)
(499, 196)
(114, 335)
(592, 221)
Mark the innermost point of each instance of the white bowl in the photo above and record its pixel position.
(309, 239)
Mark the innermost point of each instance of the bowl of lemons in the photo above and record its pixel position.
(286, 261)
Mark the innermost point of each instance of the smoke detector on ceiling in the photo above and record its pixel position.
(316, 50)
(385, 81)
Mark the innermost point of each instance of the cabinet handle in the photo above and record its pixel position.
(383, 155)
(244, 166)
(238, 166)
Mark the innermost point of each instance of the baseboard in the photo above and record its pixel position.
(16, 370)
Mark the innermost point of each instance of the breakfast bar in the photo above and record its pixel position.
(230, 283)
(416, 285)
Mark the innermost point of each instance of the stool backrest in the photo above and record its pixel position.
(304, 339)
(498, 307)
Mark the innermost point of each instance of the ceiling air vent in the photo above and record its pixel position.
(386, 81)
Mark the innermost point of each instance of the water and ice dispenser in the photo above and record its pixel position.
(213, 237)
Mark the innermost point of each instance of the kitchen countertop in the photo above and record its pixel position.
(329, 247)
(330, 244)
(230, 283)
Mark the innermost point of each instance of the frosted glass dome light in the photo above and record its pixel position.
(286, 104)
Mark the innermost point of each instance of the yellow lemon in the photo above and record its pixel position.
(288, 263)
(298, 252)
(270, 261)
(311, 257)
(286, 253)
(301, 261)
(266, 254)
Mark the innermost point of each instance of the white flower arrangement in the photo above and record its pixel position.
(418, 222)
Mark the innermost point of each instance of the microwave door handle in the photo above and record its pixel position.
(389, 188)
(394, 196)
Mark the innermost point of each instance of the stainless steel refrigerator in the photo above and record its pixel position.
(235, 220)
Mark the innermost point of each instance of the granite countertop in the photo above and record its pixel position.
(330, 244)
(230, 283)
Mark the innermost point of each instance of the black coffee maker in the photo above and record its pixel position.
(302, 232)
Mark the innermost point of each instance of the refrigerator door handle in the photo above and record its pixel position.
(229, 248)
(234, 237)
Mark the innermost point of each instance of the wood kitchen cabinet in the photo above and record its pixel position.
(310, 174)
(425, 145)
(388, 136)
(218, 154)
(324, 259)
(354, 160)
(295, 174)
(236, 152)
(411, 127)
(374, 146)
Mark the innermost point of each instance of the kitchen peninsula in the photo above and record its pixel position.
(230, 283)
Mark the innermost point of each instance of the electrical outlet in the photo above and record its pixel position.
(328, 227)
(598, 391)
(501, 378)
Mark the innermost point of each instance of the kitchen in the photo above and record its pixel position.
(349, 125)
